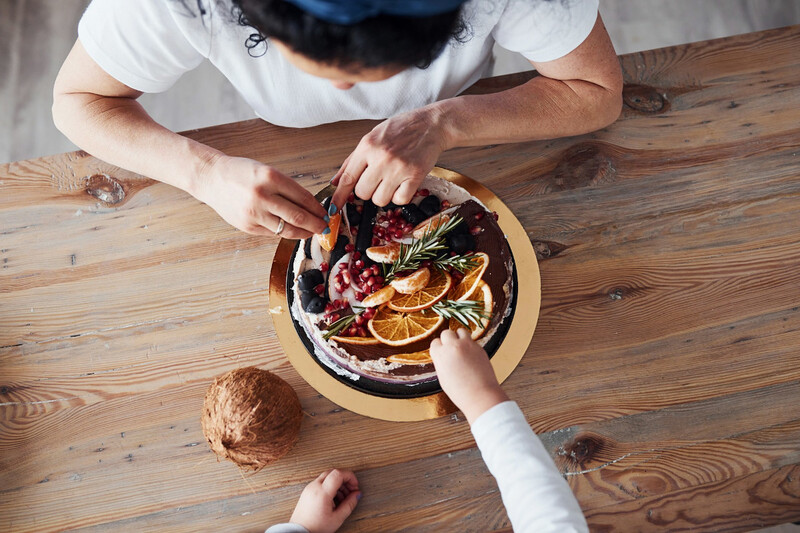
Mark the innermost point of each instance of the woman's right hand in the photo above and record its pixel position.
(253, 197)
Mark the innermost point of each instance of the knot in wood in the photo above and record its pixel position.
(644, 99)
(583, 449)
(547, 249)
(616, 294)
(583, 165)
(105, 188)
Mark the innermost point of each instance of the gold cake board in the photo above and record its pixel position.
(504, 361)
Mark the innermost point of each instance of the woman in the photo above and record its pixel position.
(306, 62)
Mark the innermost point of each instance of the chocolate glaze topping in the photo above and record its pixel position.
(493, 243)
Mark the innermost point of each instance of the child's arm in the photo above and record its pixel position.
(324, 504)
(535, 495)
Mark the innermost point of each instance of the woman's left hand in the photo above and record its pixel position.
(390, 161)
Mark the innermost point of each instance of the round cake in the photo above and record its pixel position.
(370, 295)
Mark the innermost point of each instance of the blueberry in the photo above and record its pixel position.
(413, 214)
(315, 304)
(310, 279)
(306, 297)
(353, 216)
(338, 250)
(460, 242)
(430, 205)
(460, 229)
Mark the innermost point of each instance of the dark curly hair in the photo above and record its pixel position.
(384, 40)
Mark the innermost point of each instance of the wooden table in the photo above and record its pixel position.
(664, 375)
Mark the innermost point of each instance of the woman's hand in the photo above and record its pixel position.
(253, 197)
(465, 373)
(391, 160)
(327, 501)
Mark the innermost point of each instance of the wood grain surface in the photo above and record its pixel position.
(664, 375)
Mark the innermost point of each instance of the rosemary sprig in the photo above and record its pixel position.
(340, 325)
(465, 311)
(462, 263)
(422, 249)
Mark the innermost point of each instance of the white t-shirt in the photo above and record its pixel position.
(149, 44)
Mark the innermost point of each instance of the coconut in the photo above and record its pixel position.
(252, 417)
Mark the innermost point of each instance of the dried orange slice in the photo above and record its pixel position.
(469, 282)
(396, 328)
(482, 294)
(327, 242)
(379, 297)
(429, 225)
(384, 254)
(436, 289)
(413, 358)
(361, 341)
(413, 283)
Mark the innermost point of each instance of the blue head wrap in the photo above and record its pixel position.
(348, 12)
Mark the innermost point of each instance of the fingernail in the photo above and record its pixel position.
(332, 209)
(326, 231)
(326, 218)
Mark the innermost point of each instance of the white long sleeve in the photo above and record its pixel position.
(536, 497)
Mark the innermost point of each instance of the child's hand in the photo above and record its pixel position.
(465, 373)
(327, 501)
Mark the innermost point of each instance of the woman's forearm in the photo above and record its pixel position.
(542, 108)
(119, 131)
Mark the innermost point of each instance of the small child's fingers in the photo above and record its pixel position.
(448, 336)
(346, 507)
(435, 345)
(464, 334)
(336, 479)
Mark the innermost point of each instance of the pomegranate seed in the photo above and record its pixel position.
(398, 234)
(359, 208)
(324, 266)
(375, 241)
(445, 204)
(407, 228)
(343, 267)
(334, 317)
(479, 215)
(423, 192)
(426, 263)
(328, 307)
(362, 332)
(338, 287)
(370, 281)
(359, 320)
(374, 288)
(338, 278)
(346, 277)
(476, 230)
(319, 289)
(495, 215)
(349, 247)
(353, 230)
(369, 313)
(375, 269)
(360, 296)
(356, 255)
(382, 219)
(352, 331)
(379, 280)
(452, 254)
(359, 264)
(398, 212)
(351, 197)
